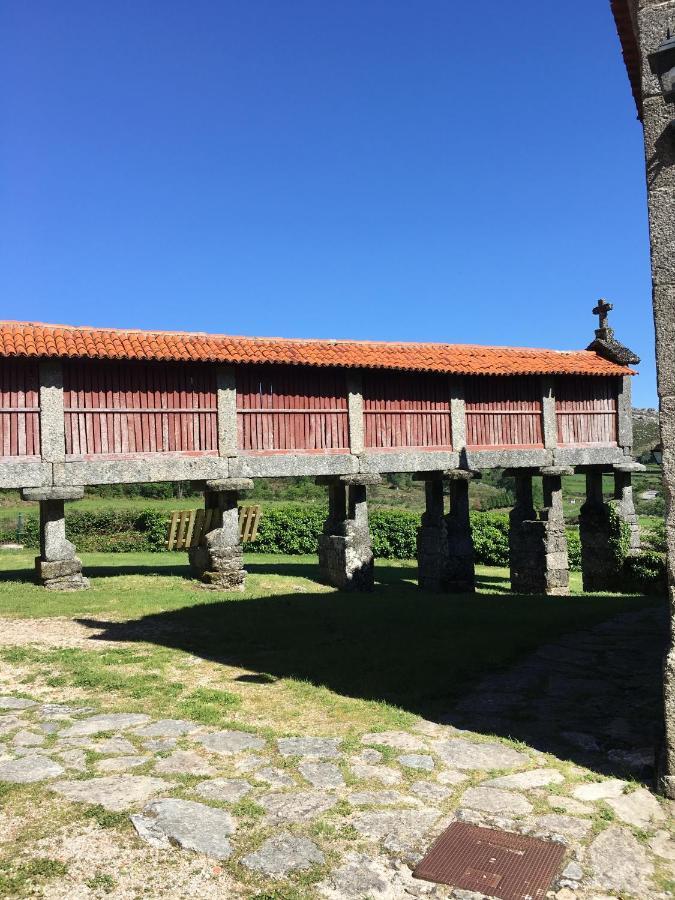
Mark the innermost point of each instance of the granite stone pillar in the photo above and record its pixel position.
(432, 538)
(623, 500)
(57, 567)
(218, 560)
(599, 561)
(538, 544)
(345, 553)
(445, 555)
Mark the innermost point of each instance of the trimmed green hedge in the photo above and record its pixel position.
(108, 531)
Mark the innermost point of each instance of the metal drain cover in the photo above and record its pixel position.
(498, 863)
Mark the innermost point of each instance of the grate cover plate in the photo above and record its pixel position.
(497, 863)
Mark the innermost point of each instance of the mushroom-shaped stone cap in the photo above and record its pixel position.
(230, 484)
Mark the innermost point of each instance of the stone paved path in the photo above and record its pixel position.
(242, 813)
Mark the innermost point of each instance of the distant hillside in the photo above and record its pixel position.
(645, 430)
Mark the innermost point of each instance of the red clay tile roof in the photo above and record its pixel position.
(31, 339)
(629, 48)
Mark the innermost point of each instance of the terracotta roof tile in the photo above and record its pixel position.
(37, 340)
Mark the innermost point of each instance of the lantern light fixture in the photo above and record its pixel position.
(662, 64)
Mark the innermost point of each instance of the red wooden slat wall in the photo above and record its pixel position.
(503, 411)
(288, 408)
(587, 410)
(19, 390)
(406, 410)
(105, 401)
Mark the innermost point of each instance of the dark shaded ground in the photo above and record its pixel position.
(535, 669)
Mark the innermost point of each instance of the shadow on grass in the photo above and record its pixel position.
(425, 652)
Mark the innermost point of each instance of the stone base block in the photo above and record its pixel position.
(539, 558)
(432, 557)
(221, 567)
(345, 562)
(61, 574)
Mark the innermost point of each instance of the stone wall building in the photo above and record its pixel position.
(85, 406)
(644, 27)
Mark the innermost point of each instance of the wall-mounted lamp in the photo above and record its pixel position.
(662, 64)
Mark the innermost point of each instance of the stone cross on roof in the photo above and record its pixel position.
(601, 311)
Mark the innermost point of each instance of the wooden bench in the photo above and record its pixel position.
(187, 527)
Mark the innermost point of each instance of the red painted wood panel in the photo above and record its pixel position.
(503, 412)
(587, 411)
(19, 409)
(126, 408)
(406, 410)
(288, 408)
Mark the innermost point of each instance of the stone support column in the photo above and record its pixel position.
(355, 412)
(598, 559)
(345, 553)
(227, 411)
(623, 500)
(57, 567)
(218, 560)
(432, 536)
(445, 555)
(538, 545)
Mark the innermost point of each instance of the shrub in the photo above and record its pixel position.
(108, 531)
(574, 549)
(394, 533)
(655, 538)
(645, 572)
(292, 529)
(490, 538)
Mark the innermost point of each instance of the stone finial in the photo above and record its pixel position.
(605, 344)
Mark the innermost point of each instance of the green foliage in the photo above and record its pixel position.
(107, 530)
(645, 572)
(490, 538)
(655, 538)
(292, 529)
(394, 534)
(619, 537)
(574, 549)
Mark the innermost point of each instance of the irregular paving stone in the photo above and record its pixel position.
(191, 825)
(297, 807)
(105, 722)
(429, 790)
(663, 845)
(9, 723)
(160, 745)
(635, 760)
(322, 775)
(398, 740)
(451, 776)
(368, 755)
(15, 703)
(381, 798)
(113, 792)
(570, 805)
(250, 762)
(316, 747)
(184, 762)
(572, 871)
(30, 769)
(462, 754)
(567, 826)
(383, 774)
(600, 790)
(361, 876)
(581, 740)
(28, 739)
(62, 710)
(230, 742)
(274, 777)
(114, 745)
(226, 790)
(399, 830)
(523, 781)
(49, 727)
(167, 728)
(496, 800)
(121, 763)
(420, 761)
(639, 808)
(74, 759)
(282, 854)
(619, 862)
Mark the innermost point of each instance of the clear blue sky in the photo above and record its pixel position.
(364, 168)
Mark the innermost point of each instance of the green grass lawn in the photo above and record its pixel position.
(288, 649)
